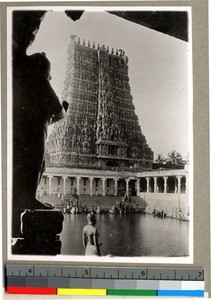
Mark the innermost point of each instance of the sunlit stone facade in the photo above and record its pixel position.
(101, 127)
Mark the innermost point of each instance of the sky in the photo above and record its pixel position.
(158, 71)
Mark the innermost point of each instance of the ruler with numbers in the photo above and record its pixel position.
(102, 281)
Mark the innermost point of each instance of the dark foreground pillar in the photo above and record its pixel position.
(40, 233)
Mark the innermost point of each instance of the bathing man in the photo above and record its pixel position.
(90, 236)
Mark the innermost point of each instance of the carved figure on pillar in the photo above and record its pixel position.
(36, 106)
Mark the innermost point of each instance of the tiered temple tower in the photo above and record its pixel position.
(101, 127)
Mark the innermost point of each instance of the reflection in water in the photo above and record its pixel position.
(129, 235)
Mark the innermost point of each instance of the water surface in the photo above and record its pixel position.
(129, 235)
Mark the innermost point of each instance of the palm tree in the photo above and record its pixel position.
(160, 159)
(174, 158)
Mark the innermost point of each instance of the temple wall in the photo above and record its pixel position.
(174, 205)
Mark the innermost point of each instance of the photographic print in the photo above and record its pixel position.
(100, 156)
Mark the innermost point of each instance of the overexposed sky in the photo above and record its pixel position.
(158, 70)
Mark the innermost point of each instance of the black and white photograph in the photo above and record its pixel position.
(100, 147)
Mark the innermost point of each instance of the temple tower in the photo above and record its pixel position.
(101, 127)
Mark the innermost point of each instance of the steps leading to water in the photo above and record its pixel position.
(95, 201)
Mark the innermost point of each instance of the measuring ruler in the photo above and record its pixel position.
(102, 281)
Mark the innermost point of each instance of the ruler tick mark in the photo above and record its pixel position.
(108, 273)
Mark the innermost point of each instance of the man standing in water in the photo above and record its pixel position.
(90, 236)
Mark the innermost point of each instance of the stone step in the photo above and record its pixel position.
(89, 201)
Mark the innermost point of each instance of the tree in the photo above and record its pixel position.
(186, 159)
(174, 158)
(160, 159)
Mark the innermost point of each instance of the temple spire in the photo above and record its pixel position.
(99, 126)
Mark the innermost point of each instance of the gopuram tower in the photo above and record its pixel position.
(101, 128)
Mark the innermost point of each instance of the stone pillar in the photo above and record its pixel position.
(115, 186)
(103, 185)
(78, 185)
(175, 185)
(127, 186)
(137, 186)
(50, 184)
(155, 185)
(186, 184)
(179, 184)
(91, 185)
(165, 184)
(147, 179)
(64, 184)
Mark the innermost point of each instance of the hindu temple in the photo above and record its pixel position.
(101, 128)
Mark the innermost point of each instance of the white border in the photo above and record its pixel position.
(190, 101)
(101, 8)
(85, 259)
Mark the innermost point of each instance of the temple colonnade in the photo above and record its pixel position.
(114, 186)
(166, 191)
(80, 185)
